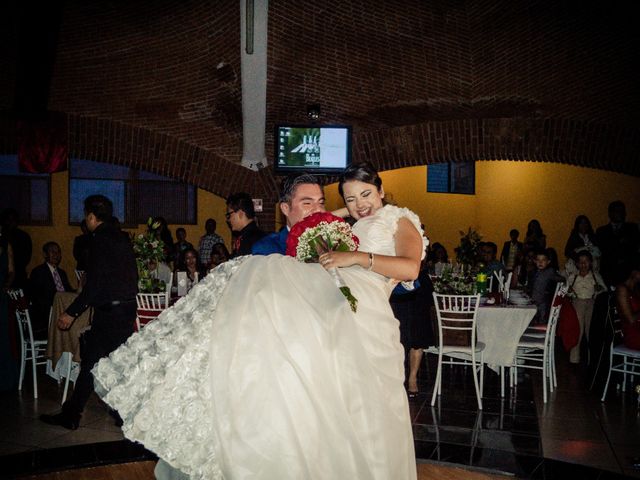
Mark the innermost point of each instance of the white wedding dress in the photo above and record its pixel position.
(264, 372)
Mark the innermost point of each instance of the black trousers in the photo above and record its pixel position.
(110, 328)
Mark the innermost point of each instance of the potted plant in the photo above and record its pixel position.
(467, 251)
(149, 250)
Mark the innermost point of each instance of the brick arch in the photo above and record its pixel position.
(107, 141)
(559, 140)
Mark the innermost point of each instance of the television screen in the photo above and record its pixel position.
(312, 148)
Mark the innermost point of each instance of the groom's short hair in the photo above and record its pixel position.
(291, 182)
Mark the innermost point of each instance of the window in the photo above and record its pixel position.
(136, 195)
(28, 193)
(452, 177)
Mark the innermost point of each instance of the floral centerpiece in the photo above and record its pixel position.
(319, 233)
(455, 283)
(149, 249)
(467, 251)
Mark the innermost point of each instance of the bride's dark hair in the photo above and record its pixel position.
(362, 172)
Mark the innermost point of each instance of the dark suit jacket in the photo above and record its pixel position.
(81, 245)
(617, 248)
(42, 289)
(112, 274)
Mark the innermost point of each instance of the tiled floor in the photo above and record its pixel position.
(574, 429)
(573, 434)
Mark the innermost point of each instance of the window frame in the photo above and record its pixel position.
(130, 191)
(28, 176)
(450, 167)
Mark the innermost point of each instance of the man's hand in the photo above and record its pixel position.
(64, 321)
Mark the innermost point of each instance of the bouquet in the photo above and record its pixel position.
(320, 233)
(148, 249)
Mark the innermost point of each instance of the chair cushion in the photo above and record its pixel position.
(480, 346)
(531, 342)
(622, 350)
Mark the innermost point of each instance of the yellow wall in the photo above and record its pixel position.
(209, 206)
(508, 195)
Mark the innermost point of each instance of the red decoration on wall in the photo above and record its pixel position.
(42, 145)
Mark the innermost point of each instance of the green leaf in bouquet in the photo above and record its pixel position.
(342, 247)
(353, 301)
(320, 245)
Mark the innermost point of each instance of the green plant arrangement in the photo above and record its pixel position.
(148, 249)
(455, 283)
(467, 251)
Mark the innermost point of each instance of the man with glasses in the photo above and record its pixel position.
(208, 240)
(241, 218)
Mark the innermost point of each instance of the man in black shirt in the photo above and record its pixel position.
(81, 245)
(241, 220)
(110, 289)
(618, 241)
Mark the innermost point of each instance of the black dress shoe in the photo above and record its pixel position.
(62, 419)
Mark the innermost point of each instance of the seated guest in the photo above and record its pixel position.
(161, 271)
(44, 282)
(241, 218)
(190, 264)
(488, 254)
(542, 285)
(437, 258)
(527, 266)
(180, 246)
(219, 255)
(628, 304)
(512, 251)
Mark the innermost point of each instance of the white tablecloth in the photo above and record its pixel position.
(62, 367)
(500, 329)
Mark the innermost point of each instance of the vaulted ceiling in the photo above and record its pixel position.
(156, 83)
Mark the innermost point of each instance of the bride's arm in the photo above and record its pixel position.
(341, 212)
(404, 266)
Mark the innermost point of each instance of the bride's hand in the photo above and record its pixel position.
(339, 259)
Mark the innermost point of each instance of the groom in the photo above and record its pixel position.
(300, 196)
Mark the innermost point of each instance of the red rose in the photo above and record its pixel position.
(309, 222)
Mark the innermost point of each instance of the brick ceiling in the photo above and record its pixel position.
(156, 83)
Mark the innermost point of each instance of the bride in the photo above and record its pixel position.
(264, 372)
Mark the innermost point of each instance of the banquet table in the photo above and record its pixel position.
(64, 345)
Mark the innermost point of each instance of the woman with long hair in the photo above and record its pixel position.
(535, 235)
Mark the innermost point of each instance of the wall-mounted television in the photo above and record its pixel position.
(322, 149)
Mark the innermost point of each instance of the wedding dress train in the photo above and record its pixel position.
(264, 372)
